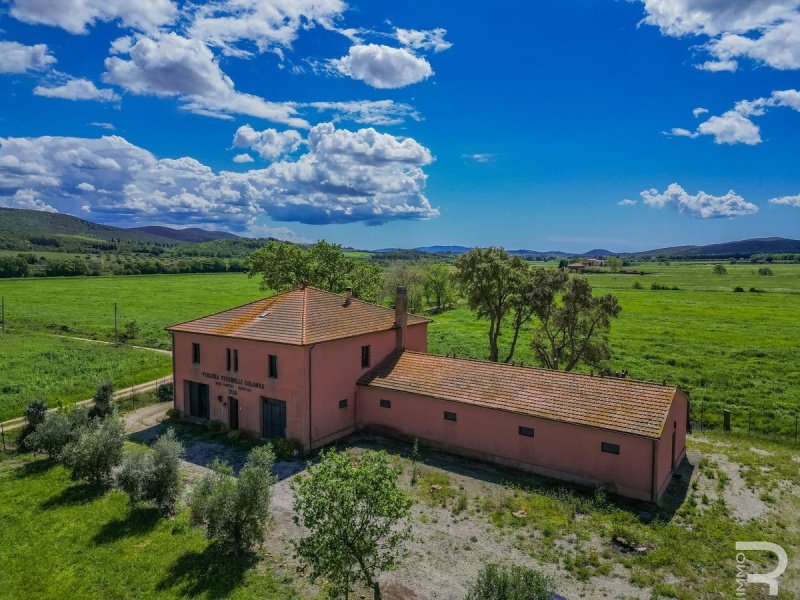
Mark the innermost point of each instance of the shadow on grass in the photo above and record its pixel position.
(138, 522)
(81, 493)
(37, 467)
(211, 573)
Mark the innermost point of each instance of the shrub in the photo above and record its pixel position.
(719, 269)
(34, 415)
(173, 414)
(130, 331)
(738, 288)
(165, 392)
(103, 396)
(286, 448)
(756, 290)
(637, 285)
(510, 583)
(95, 450)
(765, 271)
(213, 426)
(235, 511)
(154, 476)
(52, 434)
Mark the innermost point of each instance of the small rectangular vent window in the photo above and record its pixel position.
(526, 431)
(343, 403)
(386, 403)
(610, 448)
(450, 416)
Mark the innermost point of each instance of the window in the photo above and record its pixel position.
(449, 416)
(364, 356)
(386, 403)
(343, 403)
(526, 431)
(273, 366)
(610, 448)
(196, 353)
(232, 359)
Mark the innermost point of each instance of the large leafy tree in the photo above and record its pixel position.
(283, 265)
(491, 280)
(353, 509)
(572, 324)
(438, 281)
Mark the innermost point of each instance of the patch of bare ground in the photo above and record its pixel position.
(718, 477)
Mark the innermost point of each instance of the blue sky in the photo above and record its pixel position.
(378, 124)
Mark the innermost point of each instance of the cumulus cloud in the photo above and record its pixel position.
(77, 15)
(701, 205)
(367, 112)
(25, 198)
(428, 39)
(628, 202)
(244, 157)
(19, 58)
(765, 31)
(77, 89)
(383, 67)
(680, 132)
(229, 24)
(345, 176)
(787, 201)
(171, 65)
(697, 112)
(269, 144)
(278, 233)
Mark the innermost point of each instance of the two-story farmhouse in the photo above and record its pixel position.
(316, 366)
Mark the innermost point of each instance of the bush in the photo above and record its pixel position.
(286, 448)
(103, 396)
(34, 414)
(235, 511)
(213, 426)
(154, 476)
(637, 285)
(95, 450)
(765, 271)
(756, 290)
(173, 414)
(738, 288)
(719, 269)
(510, 583)
(52, 434)
(165, 392)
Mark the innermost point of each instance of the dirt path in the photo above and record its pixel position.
(82, 339)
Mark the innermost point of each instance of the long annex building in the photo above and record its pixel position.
(315, 366)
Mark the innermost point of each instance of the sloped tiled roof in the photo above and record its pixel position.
(623, 405)
(300, 316)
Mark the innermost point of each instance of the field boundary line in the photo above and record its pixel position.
(82, 339)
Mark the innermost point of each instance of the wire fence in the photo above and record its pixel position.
(779, 422)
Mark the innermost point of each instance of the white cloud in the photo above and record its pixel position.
(788, 98)
(345, 176)
(699, 111)
(383, 67)
(278, 233)
(18, 58)
(244, 157)
(367, 112)
(77, 89)
(702, 205)
(171, 65)
(265, 24)
(77, 15)
(480, 157)
(429, 39)
(102, 125)
(765, 31)
(680, 132)
(787, 200)
(731, 128)
(25, 198)
(269, 144)
(628, 202)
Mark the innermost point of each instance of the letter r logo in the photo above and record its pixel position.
(769, 578)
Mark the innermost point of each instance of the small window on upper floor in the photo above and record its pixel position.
(386, 403)
(450, 416)
(231, 359)
(196, 353)
(343, 403)
(273, 366)
(610, 448)
(526, 431)
(365, 358)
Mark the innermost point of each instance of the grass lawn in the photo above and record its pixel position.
(60, 539)
(45, 367)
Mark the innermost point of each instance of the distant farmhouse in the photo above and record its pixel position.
(316, 366)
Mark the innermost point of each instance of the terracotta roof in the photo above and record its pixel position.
(622, 405)
(300, 316)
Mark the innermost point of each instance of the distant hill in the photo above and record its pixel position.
(599, 252)
(190, 234)
(442, 249)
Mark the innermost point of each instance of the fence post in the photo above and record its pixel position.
(3, 434)
(726, 419)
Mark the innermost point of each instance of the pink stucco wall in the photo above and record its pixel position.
(559, 450)
(676, 421)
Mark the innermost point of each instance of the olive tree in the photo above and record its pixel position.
(103, 396)
(52, 434)
(354, 512)
(154, 476)
(34, 414)
(95, 449)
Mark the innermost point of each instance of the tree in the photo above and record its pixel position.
(510, 583)
(490, 278)
(614, 263)
(407, 275)
(719, 269)
(575, 329)
(95, 450)
(235, 511)
(34, 414)
(281, 265)
(353, 510)
(102, 398)
(165, 392)
(52, 434)
(330, 266)
(154, 476)
(438, 282)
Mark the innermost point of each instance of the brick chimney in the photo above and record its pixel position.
(401, 317)
(348, 296)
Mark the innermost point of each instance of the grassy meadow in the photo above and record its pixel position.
(728, 349)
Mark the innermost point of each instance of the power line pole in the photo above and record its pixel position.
(116, 332)
(3, 315)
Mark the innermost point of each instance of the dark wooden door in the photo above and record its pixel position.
(274, 418)
(233, 413)
(198, 400)
(673, 449)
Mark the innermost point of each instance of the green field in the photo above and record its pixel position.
(60, 539)
(45, 367)
(728, 349)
